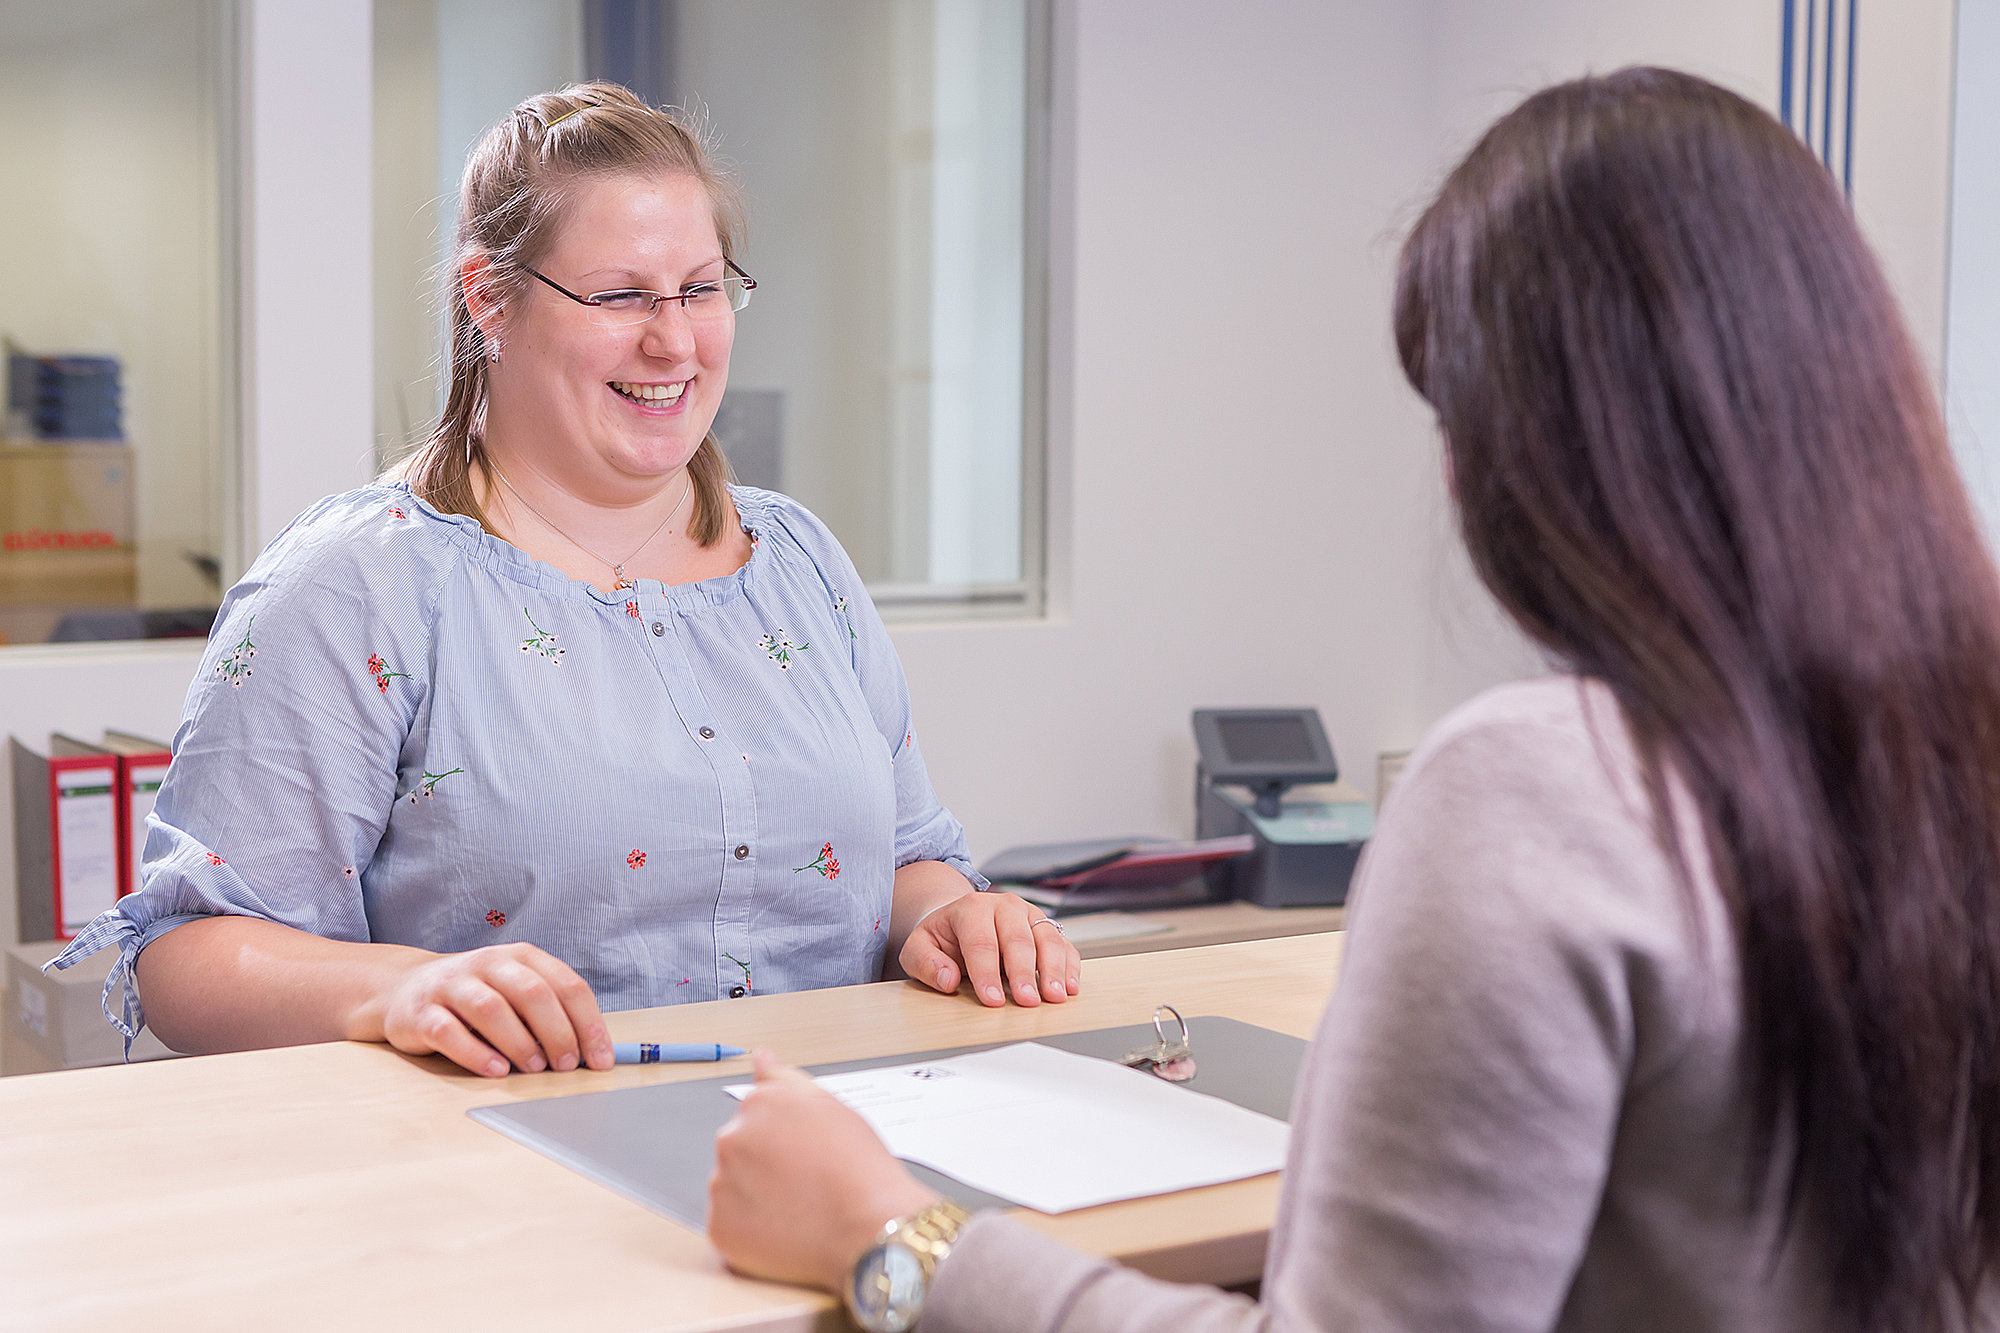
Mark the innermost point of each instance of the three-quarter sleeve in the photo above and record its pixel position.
(286, 761)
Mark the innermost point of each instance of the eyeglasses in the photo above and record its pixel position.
(635, 305)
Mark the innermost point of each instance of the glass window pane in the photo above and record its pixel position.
(113, 287)
(445, 70)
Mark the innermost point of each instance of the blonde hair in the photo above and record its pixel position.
(513, 201)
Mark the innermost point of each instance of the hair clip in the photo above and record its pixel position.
(565, 116)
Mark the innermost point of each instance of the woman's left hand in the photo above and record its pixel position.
(802, 1185)
(980, 936)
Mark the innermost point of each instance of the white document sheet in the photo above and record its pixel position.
(1055, 1131)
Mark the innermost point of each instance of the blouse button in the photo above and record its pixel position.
(708, 733)
(658, 629)
(737, 992)
(742, 850)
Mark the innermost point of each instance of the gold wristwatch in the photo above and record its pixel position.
(885, 1292)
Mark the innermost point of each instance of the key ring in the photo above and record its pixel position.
(1160, 1032)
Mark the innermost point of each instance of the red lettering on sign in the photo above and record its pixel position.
(36, 539)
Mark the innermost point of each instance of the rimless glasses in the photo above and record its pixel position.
(634, 305)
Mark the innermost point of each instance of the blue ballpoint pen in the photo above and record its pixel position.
(670, 1052)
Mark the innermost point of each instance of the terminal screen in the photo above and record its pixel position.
(1250, 740)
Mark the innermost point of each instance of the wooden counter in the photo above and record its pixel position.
(342, 1186)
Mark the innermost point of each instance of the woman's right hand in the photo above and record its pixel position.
(506, 1005)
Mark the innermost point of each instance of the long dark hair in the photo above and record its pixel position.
(1697, 455)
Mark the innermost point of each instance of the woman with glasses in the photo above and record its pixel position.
(1670, 994)
(557, 720)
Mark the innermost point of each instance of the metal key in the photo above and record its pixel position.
(1171, 1059)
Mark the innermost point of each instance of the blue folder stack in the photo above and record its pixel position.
(67, 397)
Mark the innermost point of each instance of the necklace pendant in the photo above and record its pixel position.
(618, 572)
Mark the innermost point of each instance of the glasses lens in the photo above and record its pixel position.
(622, 307)
(709, 300)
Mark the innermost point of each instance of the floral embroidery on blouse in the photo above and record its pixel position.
(781, 648)
(541, 641)
(636, 859)
(840, 608)
(828, 867)
(235, 668)
(380, 671)
(214, 860)
(746, 970)
(496, 918)
(437, 607)
(428, 787)
(397, 513)
(632, 610)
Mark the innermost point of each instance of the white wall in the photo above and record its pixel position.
(1972, 378)
(1248, 507)
(1256, 512)
(1254, 509)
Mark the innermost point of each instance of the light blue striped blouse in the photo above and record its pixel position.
(407, 730)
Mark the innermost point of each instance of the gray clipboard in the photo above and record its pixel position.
(656, 1145)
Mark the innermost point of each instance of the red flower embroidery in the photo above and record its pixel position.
(397, 513)
(214, 860)
(379, 669)
(636, 859)
(825, 863)
(632, 610)
(347, 872)
(496, 918)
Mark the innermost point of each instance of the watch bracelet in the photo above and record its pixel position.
(928, 1233)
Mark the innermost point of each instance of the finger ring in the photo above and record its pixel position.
(1048, 921)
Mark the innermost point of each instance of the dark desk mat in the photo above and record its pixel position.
(656, 1144)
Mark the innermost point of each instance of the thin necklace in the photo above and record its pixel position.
(617, 566)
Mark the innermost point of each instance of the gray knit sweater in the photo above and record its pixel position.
(1525, 1108)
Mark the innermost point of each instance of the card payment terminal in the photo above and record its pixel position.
(1269, 772)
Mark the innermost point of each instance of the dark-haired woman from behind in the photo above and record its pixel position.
(1672, 994)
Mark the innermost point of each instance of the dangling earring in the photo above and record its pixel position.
(493, 351)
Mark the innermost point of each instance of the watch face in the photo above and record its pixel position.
(888, 1289)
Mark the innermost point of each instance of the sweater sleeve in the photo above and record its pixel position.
(1455, 1118)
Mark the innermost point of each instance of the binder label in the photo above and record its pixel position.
(86, 813)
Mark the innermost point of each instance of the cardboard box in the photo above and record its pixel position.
(57, 1021)
(68, 531)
